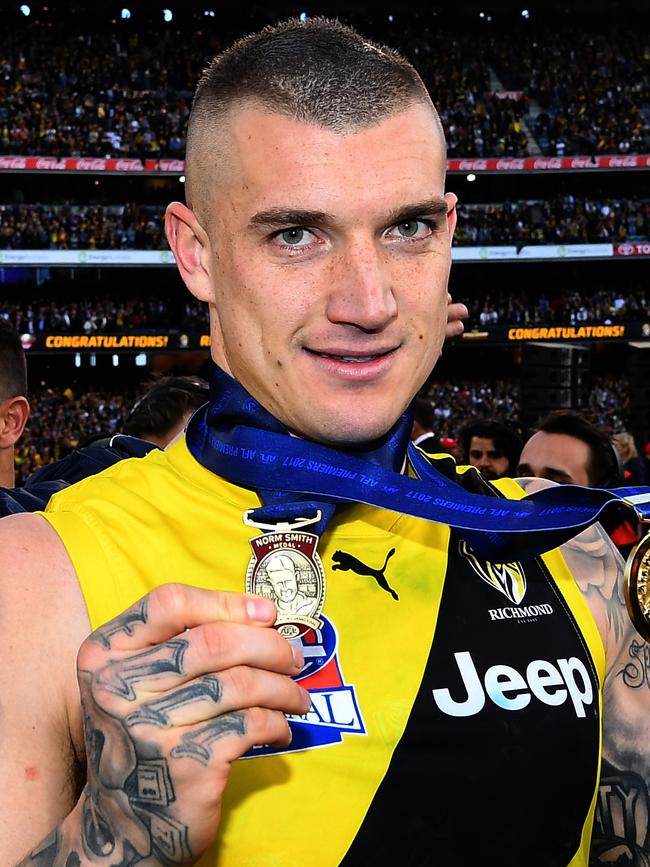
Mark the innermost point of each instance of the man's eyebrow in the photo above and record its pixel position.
(435, 208)
(275, 217)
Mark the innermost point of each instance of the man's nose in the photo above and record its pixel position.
(362, 291)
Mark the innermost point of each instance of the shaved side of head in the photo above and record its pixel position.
(317, 71)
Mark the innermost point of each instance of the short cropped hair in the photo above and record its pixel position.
(316, 71)
(506, 440)
(164, 404)
(13, 367)
(603, 468)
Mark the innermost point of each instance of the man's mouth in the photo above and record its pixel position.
(352, 359)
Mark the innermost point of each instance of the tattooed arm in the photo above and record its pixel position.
(621, 828)
(621, 832)
(169, 694)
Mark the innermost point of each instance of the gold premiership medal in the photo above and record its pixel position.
(286, 568)
(637, 587)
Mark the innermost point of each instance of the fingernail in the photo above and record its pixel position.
(298, 655)
(260, 609)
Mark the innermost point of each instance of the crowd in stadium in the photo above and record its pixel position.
(566, 219)
(113, 313)
(62, 419)
(66, 92)
(562, 306)
(104, 313)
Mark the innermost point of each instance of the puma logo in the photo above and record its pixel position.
(346, 563)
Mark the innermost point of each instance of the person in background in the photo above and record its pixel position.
(492, 447)
(14, 406)
(422, 432)
(634, 472)
(162, 413)
(570, 450)
(155, 421)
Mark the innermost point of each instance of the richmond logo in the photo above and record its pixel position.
(507, 578)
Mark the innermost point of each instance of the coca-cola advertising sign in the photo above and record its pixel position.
(177, 167)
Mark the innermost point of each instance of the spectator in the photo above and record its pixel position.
(492, 447)
(14, 406)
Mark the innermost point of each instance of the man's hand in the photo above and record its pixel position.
(456, 312)
(173, 691)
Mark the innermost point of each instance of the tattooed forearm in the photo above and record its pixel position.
(636, 673)
(621, 830)
(45, 854)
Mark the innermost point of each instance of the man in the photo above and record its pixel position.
(568, 449)
(288, 598)
(318, 231)
(154, 421)
(492, 447)
(163, 411)
(14, 406)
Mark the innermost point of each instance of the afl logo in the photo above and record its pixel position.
(318, 647)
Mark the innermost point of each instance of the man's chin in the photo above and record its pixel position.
(349, 433)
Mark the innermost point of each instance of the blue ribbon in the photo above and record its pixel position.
(236, 438)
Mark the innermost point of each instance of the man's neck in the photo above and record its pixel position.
(7, 468)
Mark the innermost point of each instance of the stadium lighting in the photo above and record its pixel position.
(182, 179)
(167, 15)
(25, 10)
(525, 13)
(471, 177)
(391, 18)
(481, 14)
(208, 13)
(125, 13)
(304, 16)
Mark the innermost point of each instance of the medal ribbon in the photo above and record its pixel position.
(236, 438)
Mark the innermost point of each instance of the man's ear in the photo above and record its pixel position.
(452, 215)
(191, 248)
(14, 413)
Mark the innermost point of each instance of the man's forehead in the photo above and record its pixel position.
(267, 160)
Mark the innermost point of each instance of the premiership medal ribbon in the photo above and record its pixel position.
(236, 438)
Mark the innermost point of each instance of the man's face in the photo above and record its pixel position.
(284, 584)
(489, 460)
(558, 457)
(328, 258)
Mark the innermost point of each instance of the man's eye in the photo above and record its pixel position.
(412, 229)
(295, 237)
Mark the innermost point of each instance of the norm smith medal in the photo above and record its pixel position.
(286, 568)
(637, 587)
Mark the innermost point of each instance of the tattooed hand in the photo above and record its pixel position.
(174, 690)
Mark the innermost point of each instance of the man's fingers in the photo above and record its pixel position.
(230, 736)
(213, 695)
(206, 649)
(172, 608)
(456, 312)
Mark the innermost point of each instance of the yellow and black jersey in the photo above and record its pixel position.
(455, 711)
